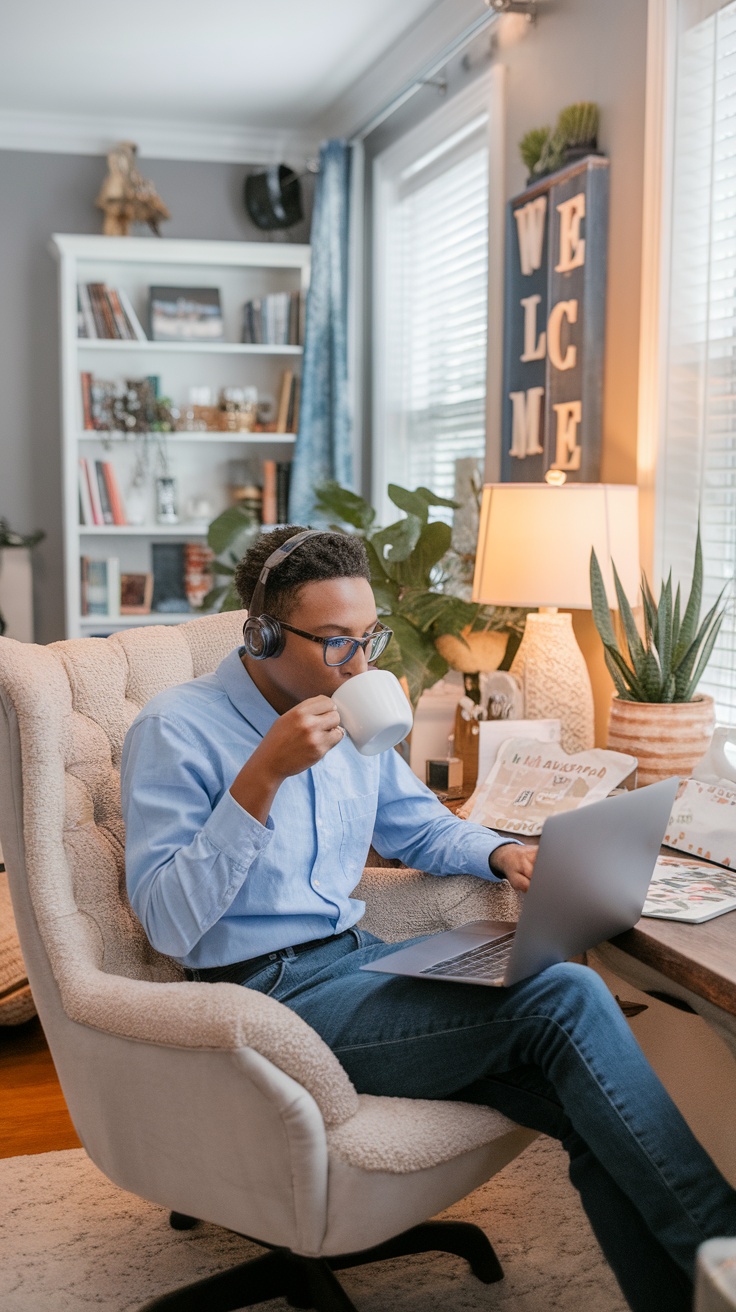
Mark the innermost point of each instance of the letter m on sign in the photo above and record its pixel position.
(530, 227)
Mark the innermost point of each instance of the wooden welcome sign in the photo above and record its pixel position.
(554, 325)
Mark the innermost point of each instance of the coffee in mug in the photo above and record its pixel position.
(374, 711)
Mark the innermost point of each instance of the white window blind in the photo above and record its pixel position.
(698, 465)
(432, 304)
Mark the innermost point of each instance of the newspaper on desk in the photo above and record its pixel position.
(530, 781)
(703, 821)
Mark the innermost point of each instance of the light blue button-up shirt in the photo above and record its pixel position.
(209, 883)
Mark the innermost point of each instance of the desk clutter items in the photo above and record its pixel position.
(689, 891)
(703, 821)
(531, 781)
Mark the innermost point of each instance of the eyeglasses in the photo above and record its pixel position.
(338, 651)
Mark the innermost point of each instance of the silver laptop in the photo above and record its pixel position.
(590, 882)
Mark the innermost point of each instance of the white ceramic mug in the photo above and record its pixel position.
(374, 711)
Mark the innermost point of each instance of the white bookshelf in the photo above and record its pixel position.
(198, 461)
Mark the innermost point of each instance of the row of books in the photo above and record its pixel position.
(177, 583)
(275, 495)
(100, 499)
(274, 320)
(106, 313)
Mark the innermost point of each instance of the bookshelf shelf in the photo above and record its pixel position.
(234, 439)
(184, 348)
(202, 464)
(144, 530)
(134, 621)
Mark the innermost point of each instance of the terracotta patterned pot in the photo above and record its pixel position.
(666, 737)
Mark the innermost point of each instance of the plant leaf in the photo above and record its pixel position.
(664, 630)
(331, 499)
(633, 639)
(615, 674)
(228, 527)
(396, 543)
(212, 598)
(628, 674)
(704, 657)
(431, 545)
(599, 603)
(410, 502)
(432, 499)
(413, 655)
(694, 602)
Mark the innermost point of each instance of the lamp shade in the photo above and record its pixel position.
(534, 543)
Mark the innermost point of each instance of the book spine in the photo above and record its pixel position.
(97, 590)
(95, 290)
(292, 405)
(113, 586)
(283, 480)
(131, 316)
(86, 384)
(87, 315)
(107, 310)
(302, 319)
(83, 576)
(81, 325)
(104, 498)
(94, 494)
(123, 332)
(86, 517)
(268, 507)
(283, 410)
(113, 493)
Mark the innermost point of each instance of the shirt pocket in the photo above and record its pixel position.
(358, 818)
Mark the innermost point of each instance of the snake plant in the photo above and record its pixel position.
(667, 664)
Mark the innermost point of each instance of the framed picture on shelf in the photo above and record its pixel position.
(186, 314)
(136, 593)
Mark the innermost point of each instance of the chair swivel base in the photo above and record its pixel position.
(309, 1282)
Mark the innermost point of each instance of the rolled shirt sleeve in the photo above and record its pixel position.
(413, 826)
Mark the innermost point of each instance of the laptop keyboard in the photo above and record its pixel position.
(488, 961)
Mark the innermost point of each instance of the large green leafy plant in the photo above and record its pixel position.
(409, 563)
(667, 663)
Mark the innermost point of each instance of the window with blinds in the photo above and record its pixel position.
(698, 464)
(432, 306)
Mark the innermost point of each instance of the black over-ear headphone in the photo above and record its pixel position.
(263, 636)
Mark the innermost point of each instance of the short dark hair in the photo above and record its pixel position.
(329, 556)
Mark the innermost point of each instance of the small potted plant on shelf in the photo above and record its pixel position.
(656, 714)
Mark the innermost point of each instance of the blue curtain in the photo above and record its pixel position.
(324, 443)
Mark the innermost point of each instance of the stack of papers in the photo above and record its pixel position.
(685, 890)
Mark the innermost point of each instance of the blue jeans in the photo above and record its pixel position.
(553, 1053)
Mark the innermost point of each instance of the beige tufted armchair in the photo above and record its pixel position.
(215, 1101)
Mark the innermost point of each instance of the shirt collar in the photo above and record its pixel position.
(244, 695)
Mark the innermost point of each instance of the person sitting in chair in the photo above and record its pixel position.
(249, 817)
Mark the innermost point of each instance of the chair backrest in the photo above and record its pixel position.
(65, 711)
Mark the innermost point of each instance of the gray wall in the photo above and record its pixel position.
(41, 194)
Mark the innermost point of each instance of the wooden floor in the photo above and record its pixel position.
(33, 1113)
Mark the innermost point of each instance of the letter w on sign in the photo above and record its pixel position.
(530, 226)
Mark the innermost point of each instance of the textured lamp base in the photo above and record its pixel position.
(310, 1282)
(555, 679)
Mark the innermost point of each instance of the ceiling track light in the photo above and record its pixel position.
(526, 7)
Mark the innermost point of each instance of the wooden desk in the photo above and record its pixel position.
(701, 958)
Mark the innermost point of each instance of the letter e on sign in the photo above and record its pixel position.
(572, 245)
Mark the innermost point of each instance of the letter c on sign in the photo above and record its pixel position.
(562, 310)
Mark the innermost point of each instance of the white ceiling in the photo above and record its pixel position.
(267, 64)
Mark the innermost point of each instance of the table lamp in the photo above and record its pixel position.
(534, 543)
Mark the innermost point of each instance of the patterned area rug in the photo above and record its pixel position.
(70, 1240)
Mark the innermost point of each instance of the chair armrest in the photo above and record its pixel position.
(401, 903)
(214, 1016)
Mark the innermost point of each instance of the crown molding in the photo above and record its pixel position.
(227, 143)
